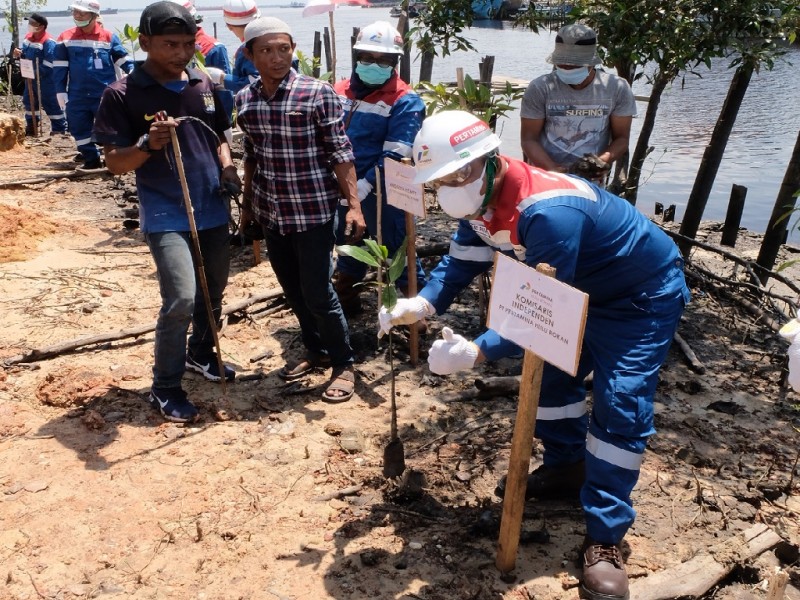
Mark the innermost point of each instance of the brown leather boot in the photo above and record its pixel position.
(604, 576)
(348, 292)
(551, 483)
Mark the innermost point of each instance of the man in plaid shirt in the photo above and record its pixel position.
(298, 164)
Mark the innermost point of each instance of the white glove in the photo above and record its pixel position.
(405, 312)
(364, 188)
(217, 75)
(61, 98)
(453, 353)
(791, 333)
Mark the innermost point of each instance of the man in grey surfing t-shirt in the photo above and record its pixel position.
(577, 109)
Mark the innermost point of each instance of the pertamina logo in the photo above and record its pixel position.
(468, 134)
(423, 153)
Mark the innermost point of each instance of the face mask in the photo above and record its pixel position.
(462, 201)
(373, 74)
(82, 23)
(572, 76)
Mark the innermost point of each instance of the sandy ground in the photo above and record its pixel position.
(101, 498)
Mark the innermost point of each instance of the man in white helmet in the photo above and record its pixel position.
(598, 243)
(382, 115)
(237, 14)
(83, 66)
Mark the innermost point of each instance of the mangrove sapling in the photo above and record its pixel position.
(377, 256)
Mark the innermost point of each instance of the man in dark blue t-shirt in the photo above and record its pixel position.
(134, 140)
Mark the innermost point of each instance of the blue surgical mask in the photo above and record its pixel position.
(82, 23)
(572, 76)
(373, 74)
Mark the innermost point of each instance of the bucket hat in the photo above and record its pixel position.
(576, 44)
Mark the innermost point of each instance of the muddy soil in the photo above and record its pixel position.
(286, 500)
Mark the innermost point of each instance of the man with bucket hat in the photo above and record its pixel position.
(578, 113)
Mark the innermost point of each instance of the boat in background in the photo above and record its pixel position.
(68, 13)
(481, 9)
(414, 9)
(488, 9)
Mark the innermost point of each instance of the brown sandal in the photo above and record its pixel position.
(341, 386)
(305, 367)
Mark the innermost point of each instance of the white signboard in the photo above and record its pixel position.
(26, 66)
(401, 191)
(537, 312)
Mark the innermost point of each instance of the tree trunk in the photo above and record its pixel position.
(405, 60)
(14, 21)
(781, 214)
(712, 157)
(631, 191)
(617, 185)
(426, 66)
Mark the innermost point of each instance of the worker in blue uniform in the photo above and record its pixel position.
(215, 54)
(237, 14)
(39, 46)
(83, 66)
(383, 115)
(599, 244)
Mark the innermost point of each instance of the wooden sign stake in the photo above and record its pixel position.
(519, 461)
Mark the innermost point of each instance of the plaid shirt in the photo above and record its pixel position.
(294, 137)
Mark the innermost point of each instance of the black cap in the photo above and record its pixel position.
(37, 18)
(166, 17)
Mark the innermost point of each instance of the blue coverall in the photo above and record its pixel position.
(380, 125)
(41, 52)
(244, 72)
(216, 55)
(83, 66)
(633, 274)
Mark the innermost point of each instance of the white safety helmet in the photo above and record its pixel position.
(240, 12)
(449, 140)
(381, 37)
(92, 6)
(188, 5)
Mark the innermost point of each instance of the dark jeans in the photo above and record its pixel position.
(303, 264)
(182, 299)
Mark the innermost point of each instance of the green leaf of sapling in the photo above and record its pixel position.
(389, 297)
(374, 248)
(358, 253)
(398, 262)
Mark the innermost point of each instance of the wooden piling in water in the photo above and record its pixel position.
(326, 40)
(733, 218)
(317, 53)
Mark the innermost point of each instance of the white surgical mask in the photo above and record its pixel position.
(462, 201)
(572, 76)
(83, 23)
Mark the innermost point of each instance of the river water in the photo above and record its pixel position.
(756, 156)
